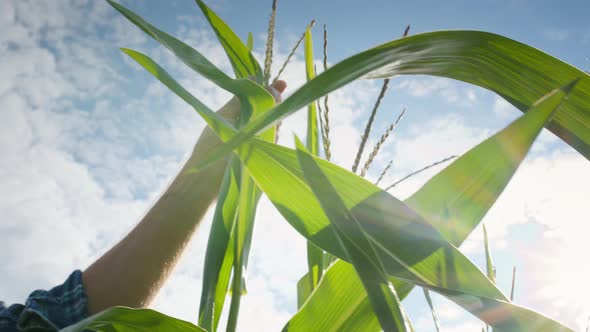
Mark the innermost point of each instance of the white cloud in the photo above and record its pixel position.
(504, 109)
(556, 34)
(54, 200)
(423, 87)
(471, 95)
(549, 191)
(453, 92)
(537, 225)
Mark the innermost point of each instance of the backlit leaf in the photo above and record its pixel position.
(517, 72)
(123, 319)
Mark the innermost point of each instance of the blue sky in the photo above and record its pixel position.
(89, 141)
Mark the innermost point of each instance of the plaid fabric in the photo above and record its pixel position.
(50, 310)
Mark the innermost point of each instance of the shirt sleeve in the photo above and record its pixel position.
(51, 310)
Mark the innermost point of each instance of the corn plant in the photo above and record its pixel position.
(366, 249)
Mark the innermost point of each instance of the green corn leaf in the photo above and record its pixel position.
(489, 262)
(242, 233)
(250, 42)
(231, 43)
(456, 199)
(244, 65)
(217, 123)
(397, 238)
(448, 272)
(488, 60)
(220, 254)
(431, 306)
(320, 313)
(315, 260)
(357, 246)
(312, 141)
(270, 164)
(521, 132)
(254, 98)
(347, 310)
(239, 55)
(369, 203)
(303, 289)
(333, 310)
(123, 319)
(185, 53)
(243, 229)
(315, 255)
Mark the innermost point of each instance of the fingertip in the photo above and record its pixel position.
(280, 86)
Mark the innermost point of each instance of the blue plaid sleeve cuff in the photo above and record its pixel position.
(51, 310)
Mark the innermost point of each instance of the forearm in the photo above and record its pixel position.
(131, 273)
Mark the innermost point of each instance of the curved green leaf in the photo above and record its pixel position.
(460, 280)
(371, 205)
(312, 140)
(243, 229)
(239, 55)
(490, 269)
(220, 253)
(315, 255)
(250, 42)
(456, 199)
(411, 246)
(521, 133)
(123, 319)
(519, 73)
(351, 310)
(217, 123)
(357, 246)
(347, 310)
(255, 99)
(303, 289)
(411, 249)
(242, 233)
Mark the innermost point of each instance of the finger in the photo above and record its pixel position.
(276, 89)
(280, 86)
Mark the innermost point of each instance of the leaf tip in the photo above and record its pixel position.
(298, 143)
(570, 86)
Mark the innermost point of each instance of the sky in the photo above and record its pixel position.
(88, 142)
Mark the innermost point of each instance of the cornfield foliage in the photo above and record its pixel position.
(366, 249)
